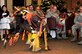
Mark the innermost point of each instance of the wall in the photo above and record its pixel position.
(28, 2)
(71, 4)
(9, 5)
(2, 2)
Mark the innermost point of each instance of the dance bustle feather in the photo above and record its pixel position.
(23, 37)
(22, 10)
(15, 38)
(10, 41)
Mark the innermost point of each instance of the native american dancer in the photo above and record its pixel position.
(22, 22)
(35, 31)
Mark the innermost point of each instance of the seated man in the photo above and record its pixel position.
(54, 14)
(77, 25)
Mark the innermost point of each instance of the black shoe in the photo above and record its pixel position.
(80, 43)
(74, 39)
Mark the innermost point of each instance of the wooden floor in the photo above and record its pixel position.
(56, 46)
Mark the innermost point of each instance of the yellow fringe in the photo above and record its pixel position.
(29, 37)
(36, 43)
(45, 39)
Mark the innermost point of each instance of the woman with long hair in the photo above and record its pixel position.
(5, 23)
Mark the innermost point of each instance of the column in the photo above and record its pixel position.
(39, 2)
(2, 2)
(10, 5)
(28, 2)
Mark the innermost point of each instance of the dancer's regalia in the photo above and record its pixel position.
(35, 31)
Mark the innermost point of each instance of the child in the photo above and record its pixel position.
(5, 23)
